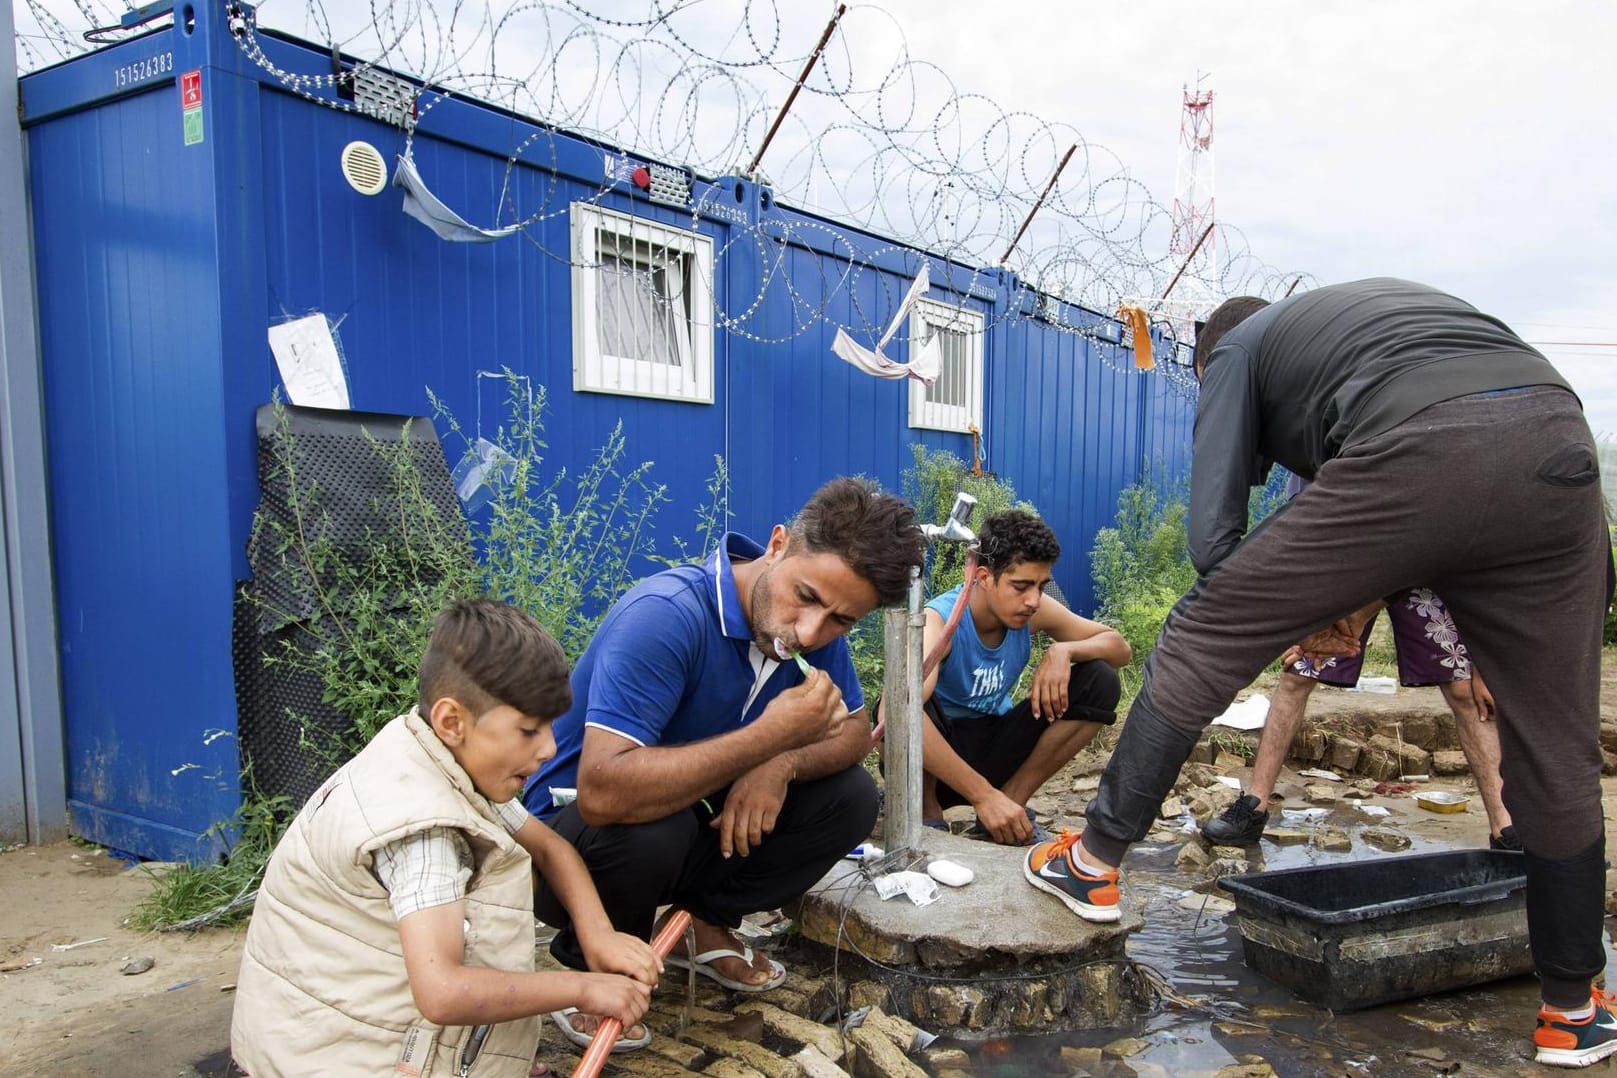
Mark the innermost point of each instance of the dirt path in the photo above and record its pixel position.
(74, 1013)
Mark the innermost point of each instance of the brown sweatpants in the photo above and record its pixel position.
(1491, 500)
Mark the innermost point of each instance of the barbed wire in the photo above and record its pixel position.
(877, 139)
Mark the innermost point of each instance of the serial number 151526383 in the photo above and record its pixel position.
(151, 67)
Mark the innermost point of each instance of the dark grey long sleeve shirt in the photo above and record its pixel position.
(1305, 378)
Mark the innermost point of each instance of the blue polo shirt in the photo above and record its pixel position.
(672, 663)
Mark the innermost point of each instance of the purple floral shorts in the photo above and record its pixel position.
(1430, 651)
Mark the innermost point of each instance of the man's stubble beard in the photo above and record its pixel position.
(763, 637)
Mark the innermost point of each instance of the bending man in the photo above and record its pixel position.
(1444, 452)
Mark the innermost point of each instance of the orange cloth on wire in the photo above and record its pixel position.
(1140, 326)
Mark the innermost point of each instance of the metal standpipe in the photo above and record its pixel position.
(903, 680)
(901, 691)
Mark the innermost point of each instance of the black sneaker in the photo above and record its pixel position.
(1239, 825)
(1506, 840)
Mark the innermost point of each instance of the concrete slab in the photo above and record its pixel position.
(992, 957)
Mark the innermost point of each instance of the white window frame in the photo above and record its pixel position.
(927, 413)
(689, 259)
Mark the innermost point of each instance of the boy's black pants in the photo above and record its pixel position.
(996, 746)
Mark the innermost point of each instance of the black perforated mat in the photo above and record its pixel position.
(340, 471)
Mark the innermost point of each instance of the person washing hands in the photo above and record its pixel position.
(1443, 452)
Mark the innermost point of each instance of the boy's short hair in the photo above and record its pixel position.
(485, 653)
(1011, 536)
(875, 533)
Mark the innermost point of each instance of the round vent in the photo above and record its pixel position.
(363, 168)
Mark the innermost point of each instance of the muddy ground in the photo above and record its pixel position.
(74, 1013)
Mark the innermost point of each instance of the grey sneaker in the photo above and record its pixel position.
(1239, 825)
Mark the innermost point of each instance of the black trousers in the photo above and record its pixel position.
(1491, 500)
(676, 860)
(996, 746)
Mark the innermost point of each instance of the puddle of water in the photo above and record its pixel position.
(1486, 1029)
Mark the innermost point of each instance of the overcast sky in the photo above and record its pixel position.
(1467, 144)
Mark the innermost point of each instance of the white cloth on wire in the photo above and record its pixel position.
(926, 357)
(429, 209)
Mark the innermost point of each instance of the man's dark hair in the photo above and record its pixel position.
(1225, 317)
(875, 533)
(1012, 536)
(485, 653)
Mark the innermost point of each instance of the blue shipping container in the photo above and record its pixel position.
(185, 199)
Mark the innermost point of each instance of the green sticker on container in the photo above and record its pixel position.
(193, 126)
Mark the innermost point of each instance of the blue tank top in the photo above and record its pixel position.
(976, 680)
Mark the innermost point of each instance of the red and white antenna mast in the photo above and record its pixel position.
(1193, 206)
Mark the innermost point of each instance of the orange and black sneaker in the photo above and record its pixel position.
(1567, 1042)
(1051, 866)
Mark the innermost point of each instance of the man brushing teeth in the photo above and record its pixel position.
(715, 773)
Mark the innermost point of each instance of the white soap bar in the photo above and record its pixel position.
(947, 872)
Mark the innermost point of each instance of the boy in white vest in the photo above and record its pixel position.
(394, 928)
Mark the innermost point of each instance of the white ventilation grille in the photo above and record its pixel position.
(363, 168)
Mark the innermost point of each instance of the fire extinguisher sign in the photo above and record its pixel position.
(191, 105)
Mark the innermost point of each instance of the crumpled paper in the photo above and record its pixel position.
(1249, 714)
(920, 888)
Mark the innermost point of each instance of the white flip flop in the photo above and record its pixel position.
(703, 964)
(624, 1043)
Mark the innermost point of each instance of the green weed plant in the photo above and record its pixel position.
(1141, 564)
(561, 546)
(1141, 567)
(195, 896)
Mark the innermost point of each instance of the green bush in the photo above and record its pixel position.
(560, 546)
(1141, 567)
(1262, 501)
(193, 896)
(369, 614)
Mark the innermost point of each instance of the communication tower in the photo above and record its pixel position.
(1193, 206)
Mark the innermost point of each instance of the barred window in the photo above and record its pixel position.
(955, 401)
(642, 307)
